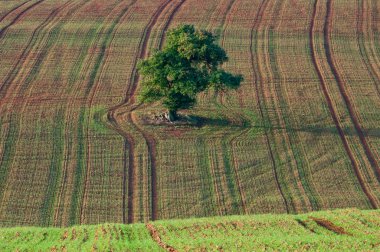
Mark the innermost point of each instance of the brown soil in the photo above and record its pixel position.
(331, 107)
(12, 10)
(256, 76)
(156, 237)
(303, 224)
(341, 84)
(330, 226)
(19, 16)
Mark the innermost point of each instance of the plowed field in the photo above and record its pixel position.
(301, 133)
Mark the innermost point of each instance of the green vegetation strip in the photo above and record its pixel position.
(338, 230)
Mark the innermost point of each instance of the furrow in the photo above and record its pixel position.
(284, 116)
(256, 76)
(233, 175)
(226, 19)
(334, 113)
(9, 152)
(341, 85)
(375, 75)
(80, 168)
(129, 101)
(18, 17)
(9, 79)
(150, 140)
(58, 146)
(56, 160)
(156, 237)
(24, 55)
(100, 62)
(13, 9)
(166, 27)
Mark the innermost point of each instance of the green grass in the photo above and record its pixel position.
(349, 230)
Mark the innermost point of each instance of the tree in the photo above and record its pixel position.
(190, 63)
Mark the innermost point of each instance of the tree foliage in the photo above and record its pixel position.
(189, 64)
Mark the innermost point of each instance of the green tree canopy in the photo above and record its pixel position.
(188, 64)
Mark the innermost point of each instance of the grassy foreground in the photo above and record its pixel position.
(348, 229)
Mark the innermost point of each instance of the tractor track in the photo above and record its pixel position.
(332, 110)
(225, 21)
(341, 85)
(150, 140)
(76, 193)
(284, 114)
(13, 9)
(129, 101)
(256, 76)
(20, 15)
(9, 79)
(24, 56)
(92, 91)
(49, 21)
(69, 5)
(166, 27)
(26, 52)
(362, 48)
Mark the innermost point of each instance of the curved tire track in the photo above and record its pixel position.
(13, 9)
(150, 140)
(99, 67)
(166, 27)
(20, 15)
(256, 76)
(26, 52)
(341, 84)
(225, 21)
(54, 170)
(129, 142)
(334, 113)
(363, 49)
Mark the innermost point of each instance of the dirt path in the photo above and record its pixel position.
(333, 113)
(156, 237)
(342, 88)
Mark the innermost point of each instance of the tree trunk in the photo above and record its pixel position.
(172, 115)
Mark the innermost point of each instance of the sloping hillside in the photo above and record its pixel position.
(340, 230)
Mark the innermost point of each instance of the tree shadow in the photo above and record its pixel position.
(201, 121)
(351, 131)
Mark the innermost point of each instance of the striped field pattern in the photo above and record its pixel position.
(301, 133)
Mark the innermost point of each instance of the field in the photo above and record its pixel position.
(301, 134)
(339, 230)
